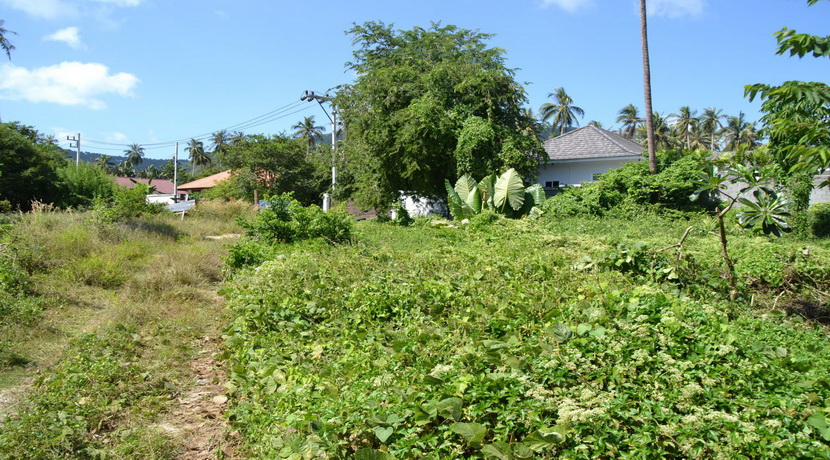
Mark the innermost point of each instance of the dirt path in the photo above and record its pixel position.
(199, 418)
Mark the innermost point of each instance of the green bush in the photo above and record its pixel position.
(819, 220)
(285, 220)
(81, 184)
(248, 252)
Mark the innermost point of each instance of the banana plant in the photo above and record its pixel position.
(505, 194)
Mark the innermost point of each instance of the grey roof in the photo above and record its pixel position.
(590, 142)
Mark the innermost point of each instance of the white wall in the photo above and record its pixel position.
(576, 172)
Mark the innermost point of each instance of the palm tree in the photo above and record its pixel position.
(198, 156)
(629, 117)
(125, 169)
(661, 130)
(739, 132)
(652, 157)
(685, 123)
(104, 162)
(220, 141)
(5, 44)
(237, 138)
(306, 129)
(135, 154)
(151, 172)
(711, 123)
(596, 123)
(562, 111)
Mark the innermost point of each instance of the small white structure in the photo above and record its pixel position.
(582, 154)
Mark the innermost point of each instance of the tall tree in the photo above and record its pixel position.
(797, 114)
(428, 105)
(630, 119)
(104, 162)
(563, 112)
(198, 156)
(135, 154)
(711, 123)
(685, 123)
(5, 44)
(219, 142)
(306, 129)
(738, 132)
(652, 156)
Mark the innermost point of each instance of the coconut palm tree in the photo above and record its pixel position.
(562, 111)
(219, 142)
(652, 157)
(104, 162)
(5, 44)
(739, 132)
(306, 129)
(151, 172)
(135, 154)
(630, 119)
(198, 156)
(664, 138)
(237, 138)
(711, 123)
(685, 124)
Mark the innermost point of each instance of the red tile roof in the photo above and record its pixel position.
(162, 186)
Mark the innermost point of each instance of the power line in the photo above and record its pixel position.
(268, 117)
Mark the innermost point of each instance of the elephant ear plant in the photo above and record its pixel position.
(505, 194)
(768, 208)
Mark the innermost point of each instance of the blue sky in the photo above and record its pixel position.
(155, 71)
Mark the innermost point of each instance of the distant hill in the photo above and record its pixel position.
(90, 157)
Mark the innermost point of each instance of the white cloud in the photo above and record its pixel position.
(675, 8)
(568, 5)
(46, 9)
(69, 36)
(67, 83)
(121, 3)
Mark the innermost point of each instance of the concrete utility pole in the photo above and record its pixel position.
(77, 141)
(176, 174)
(311, 96)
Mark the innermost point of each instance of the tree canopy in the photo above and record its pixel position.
(797, 114)
(27, 166)
(429, 105)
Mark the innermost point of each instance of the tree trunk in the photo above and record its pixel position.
(652, 158)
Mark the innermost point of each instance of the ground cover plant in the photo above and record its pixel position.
(573, 337)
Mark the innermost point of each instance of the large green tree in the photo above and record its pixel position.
(562, 112)
(135, 154)
(429, 105)
(686, 124)
(739, 132)
(273, 165)
(27, 167)
(797, 114)
(710, 123)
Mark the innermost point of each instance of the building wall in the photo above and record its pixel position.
(818, 195)
(573, 173)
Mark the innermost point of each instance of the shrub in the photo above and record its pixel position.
(284, 220)
(819, 220)
(81, 184)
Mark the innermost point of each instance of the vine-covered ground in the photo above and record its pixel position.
(575, 338)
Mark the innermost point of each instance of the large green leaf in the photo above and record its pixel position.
(499, 449)
(488, 189)
(372, 454)
(454, 201)
(538, 194)
(464, 186)
(509, 190)
(474, 201)
(474, 433)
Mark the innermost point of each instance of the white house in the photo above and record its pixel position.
(582, 154)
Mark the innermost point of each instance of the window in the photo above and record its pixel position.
(548, 184)
(555, 184)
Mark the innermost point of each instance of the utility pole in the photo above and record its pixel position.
(77, 141)
(312, 96)
(176, 174)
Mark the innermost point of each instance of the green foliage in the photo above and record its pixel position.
(402, 216)
(28, 167)
(81, 184)
(126, 203)
(631, 190)
(285, 220)
(81, 397)
(443, 344)
(820, 220)
(428, 104)
(272, 166)
(768, 209)
(505, 194)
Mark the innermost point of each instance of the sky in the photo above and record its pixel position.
(154, 72)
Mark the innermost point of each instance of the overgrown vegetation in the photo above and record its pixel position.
(442, 343)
